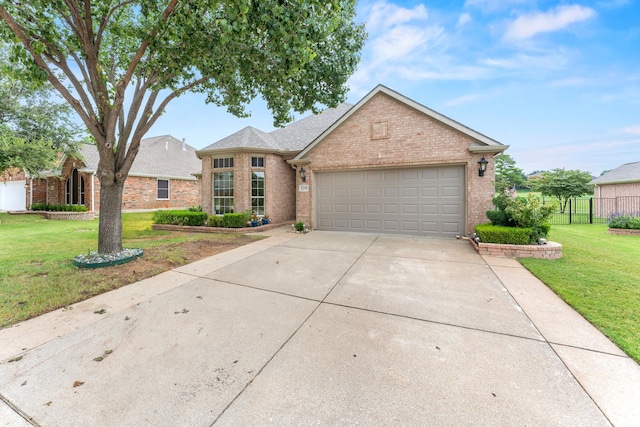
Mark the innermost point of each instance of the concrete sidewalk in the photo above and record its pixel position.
(326, 328)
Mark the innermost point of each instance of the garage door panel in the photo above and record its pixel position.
(356, 208)
(451, 191)
(423, 201)
(374, 209)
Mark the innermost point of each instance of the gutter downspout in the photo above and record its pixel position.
(30, 192)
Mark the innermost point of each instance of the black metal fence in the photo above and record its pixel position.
(594, 210)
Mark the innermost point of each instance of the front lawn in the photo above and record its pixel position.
(37, 275)
(599, 276)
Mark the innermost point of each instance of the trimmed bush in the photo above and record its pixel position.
(235, 220)
(58, 208)
(490, 233)
(179, 218)
(215, 221)
(630, 222)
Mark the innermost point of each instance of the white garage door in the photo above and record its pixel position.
(424, 201)
(13, 196)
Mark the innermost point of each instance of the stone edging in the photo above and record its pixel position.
(623, 231)
(75, 216)
(550, 250)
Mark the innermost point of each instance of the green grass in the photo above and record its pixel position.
(36, 272)
(599, 276)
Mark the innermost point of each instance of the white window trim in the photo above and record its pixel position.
(168, 188)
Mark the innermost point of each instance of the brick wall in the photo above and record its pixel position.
(611, 191)
(141, 193)
(138, 193)
(279, 184)
(387, 133)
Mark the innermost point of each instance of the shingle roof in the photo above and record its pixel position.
(629, 172)
(162, 156)
(294, 137)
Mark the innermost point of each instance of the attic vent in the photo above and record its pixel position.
(380, 130)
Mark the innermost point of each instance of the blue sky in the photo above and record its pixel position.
(557, 81)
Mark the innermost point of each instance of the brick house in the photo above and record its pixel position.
(162, 176)
(387, 165)
(622, 187)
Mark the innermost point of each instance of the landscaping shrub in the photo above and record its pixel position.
(58, 208)
(490, 233)
(528, 213)
(196, 208)
(179, 218)
(299, 226)
(627, 221)
(235, 220)
(215, 221)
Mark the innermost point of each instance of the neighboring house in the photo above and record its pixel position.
(384, 165)
(162, 176)
(618, 190)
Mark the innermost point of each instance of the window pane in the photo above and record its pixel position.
(226, 162)
(257, 191)
(223, 192)
(163, 189)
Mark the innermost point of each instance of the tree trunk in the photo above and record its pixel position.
(110, 227)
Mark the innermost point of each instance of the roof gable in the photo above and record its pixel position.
(292, 138)
(629, 172)
(160, 156)
(483, 144)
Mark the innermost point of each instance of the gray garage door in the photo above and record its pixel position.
(424, 201)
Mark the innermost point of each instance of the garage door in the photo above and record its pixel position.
(13, 196)
(423, 201)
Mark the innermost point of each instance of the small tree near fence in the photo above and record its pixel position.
(563, 185)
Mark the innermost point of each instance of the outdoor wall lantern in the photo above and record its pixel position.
(483, 166)
(303, 174)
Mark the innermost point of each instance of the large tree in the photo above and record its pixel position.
(563, 185)
(123, 61)
(507, 173)
(35, 124)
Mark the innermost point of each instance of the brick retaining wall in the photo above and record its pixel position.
(550, 250)
(623, 231)
(75, 216)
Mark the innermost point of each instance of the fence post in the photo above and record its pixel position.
(591, 210)
(570, 212)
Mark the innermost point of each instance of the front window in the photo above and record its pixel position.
(257, 192)
(257, 162)
(222, 193)
(74, 189)
(163, 189)
(226, 162)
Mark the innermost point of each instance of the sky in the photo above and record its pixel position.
(559, 82)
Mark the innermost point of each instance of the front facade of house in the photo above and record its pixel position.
(161, 177)
(385, 165)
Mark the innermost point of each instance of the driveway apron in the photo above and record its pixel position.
(324, 328)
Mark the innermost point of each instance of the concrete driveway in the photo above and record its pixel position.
(323, 328)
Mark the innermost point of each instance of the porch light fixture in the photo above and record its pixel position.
(303, 174)
(483, 166)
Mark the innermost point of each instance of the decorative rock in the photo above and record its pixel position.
(96, 260)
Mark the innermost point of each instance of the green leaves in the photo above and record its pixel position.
(563, 185)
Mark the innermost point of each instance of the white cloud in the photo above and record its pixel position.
(383, 15)
(401, 41)
(465, 99)
(527, 26)
(494, 5)
(464, 19)
(634, 130)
